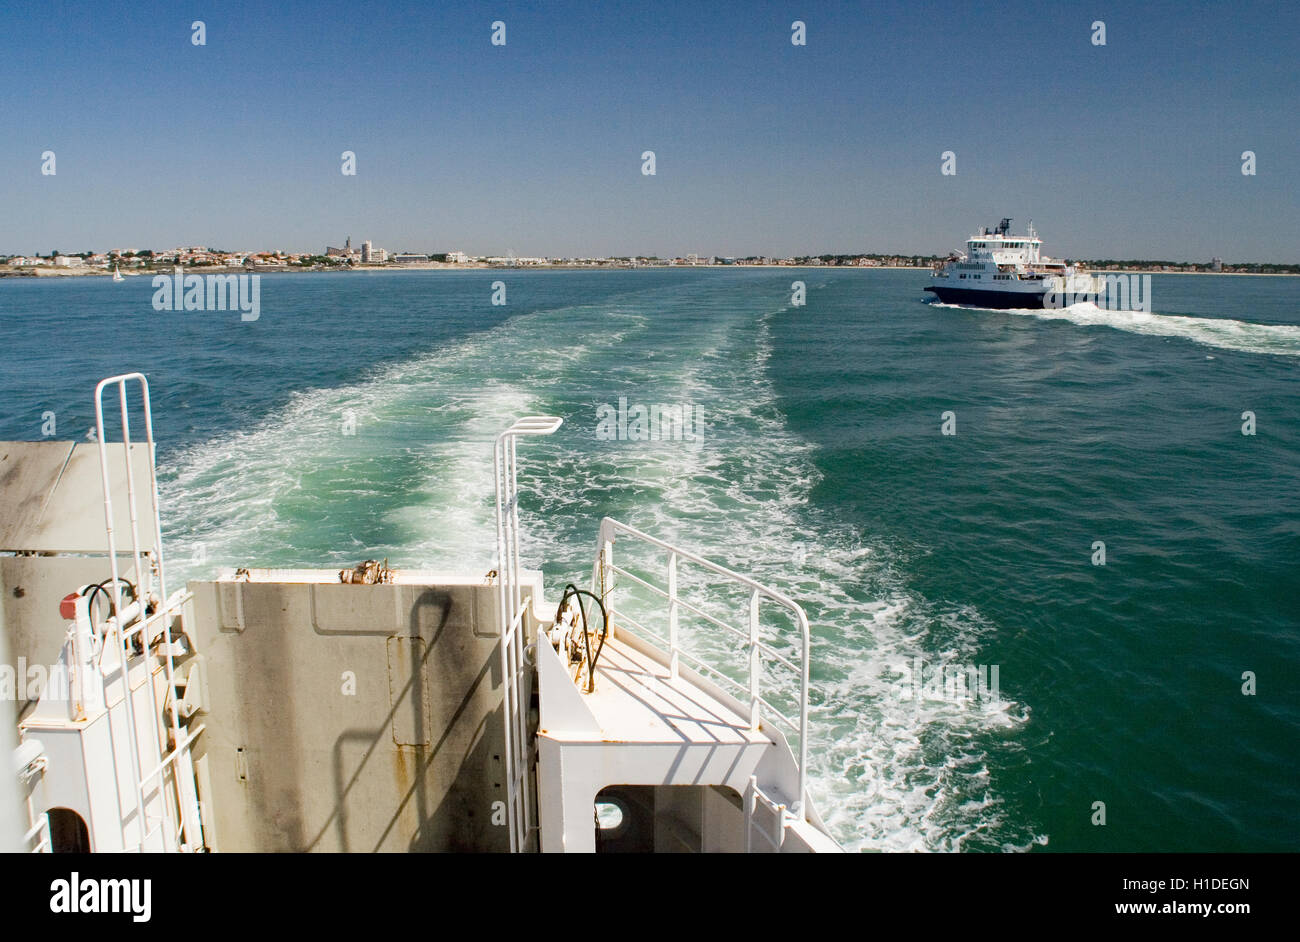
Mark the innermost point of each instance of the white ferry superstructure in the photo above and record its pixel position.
(1000, 270)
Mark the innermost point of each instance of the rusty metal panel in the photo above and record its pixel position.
(408, 691)
(374, 725)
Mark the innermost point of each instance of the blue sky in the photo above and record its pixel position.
(1127, 150)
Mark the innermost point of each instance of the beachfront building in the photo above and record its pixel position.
(512, 261)
(347, 253)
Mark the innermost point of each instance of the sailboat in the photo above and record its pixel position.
(117, 275)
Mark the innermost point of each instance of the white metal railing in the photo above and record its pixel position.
(511, 612)
(753, 798)
(40, 833)
(754, 647)
(121, 617)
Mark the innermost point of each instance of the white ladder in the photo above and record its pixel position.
(179, 757)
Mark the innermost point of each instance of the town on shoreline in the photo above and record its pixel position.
(367, 258)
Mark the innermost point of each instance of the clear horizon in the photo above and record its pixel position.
(1131, 150)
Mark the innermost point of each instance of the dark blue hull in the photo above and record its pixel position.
(983, 298)
(976, 297)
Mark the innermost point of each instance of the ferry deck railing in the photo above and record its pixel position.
(752, 644)
(121, 636)
(511, 611)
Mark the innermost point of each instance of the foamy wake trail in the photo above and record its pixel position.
(1223, 333)
(885, 773)
(413, 472)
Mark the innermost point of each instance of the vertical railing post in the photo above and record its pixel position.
(751, 797)
(190, 816)
(503, 621)
(144, 576)
(607, 574)
(801, 802)
(511, 624)
(672, 615)
(518, 747)
(754, 666)
(115, 597)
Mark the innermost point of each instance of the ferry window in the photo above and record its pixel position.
(609, 814)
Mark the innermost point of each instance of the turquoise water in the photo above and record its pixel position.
(823, 470)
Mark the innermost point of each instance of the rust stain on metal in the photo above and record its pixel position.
(400, 768)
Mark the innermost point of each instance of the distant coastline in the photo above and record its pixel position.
(60, 273)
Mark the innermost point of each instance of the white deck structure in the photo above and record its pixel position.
(299, 710)
(653, 721)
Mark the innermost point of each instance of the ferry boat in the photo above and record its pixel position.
(1000, 270)
(375, 708)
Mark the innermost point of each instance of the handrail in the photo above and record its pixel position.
(141, 587)
(138, 621)
(510, 612)
(602, 572)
